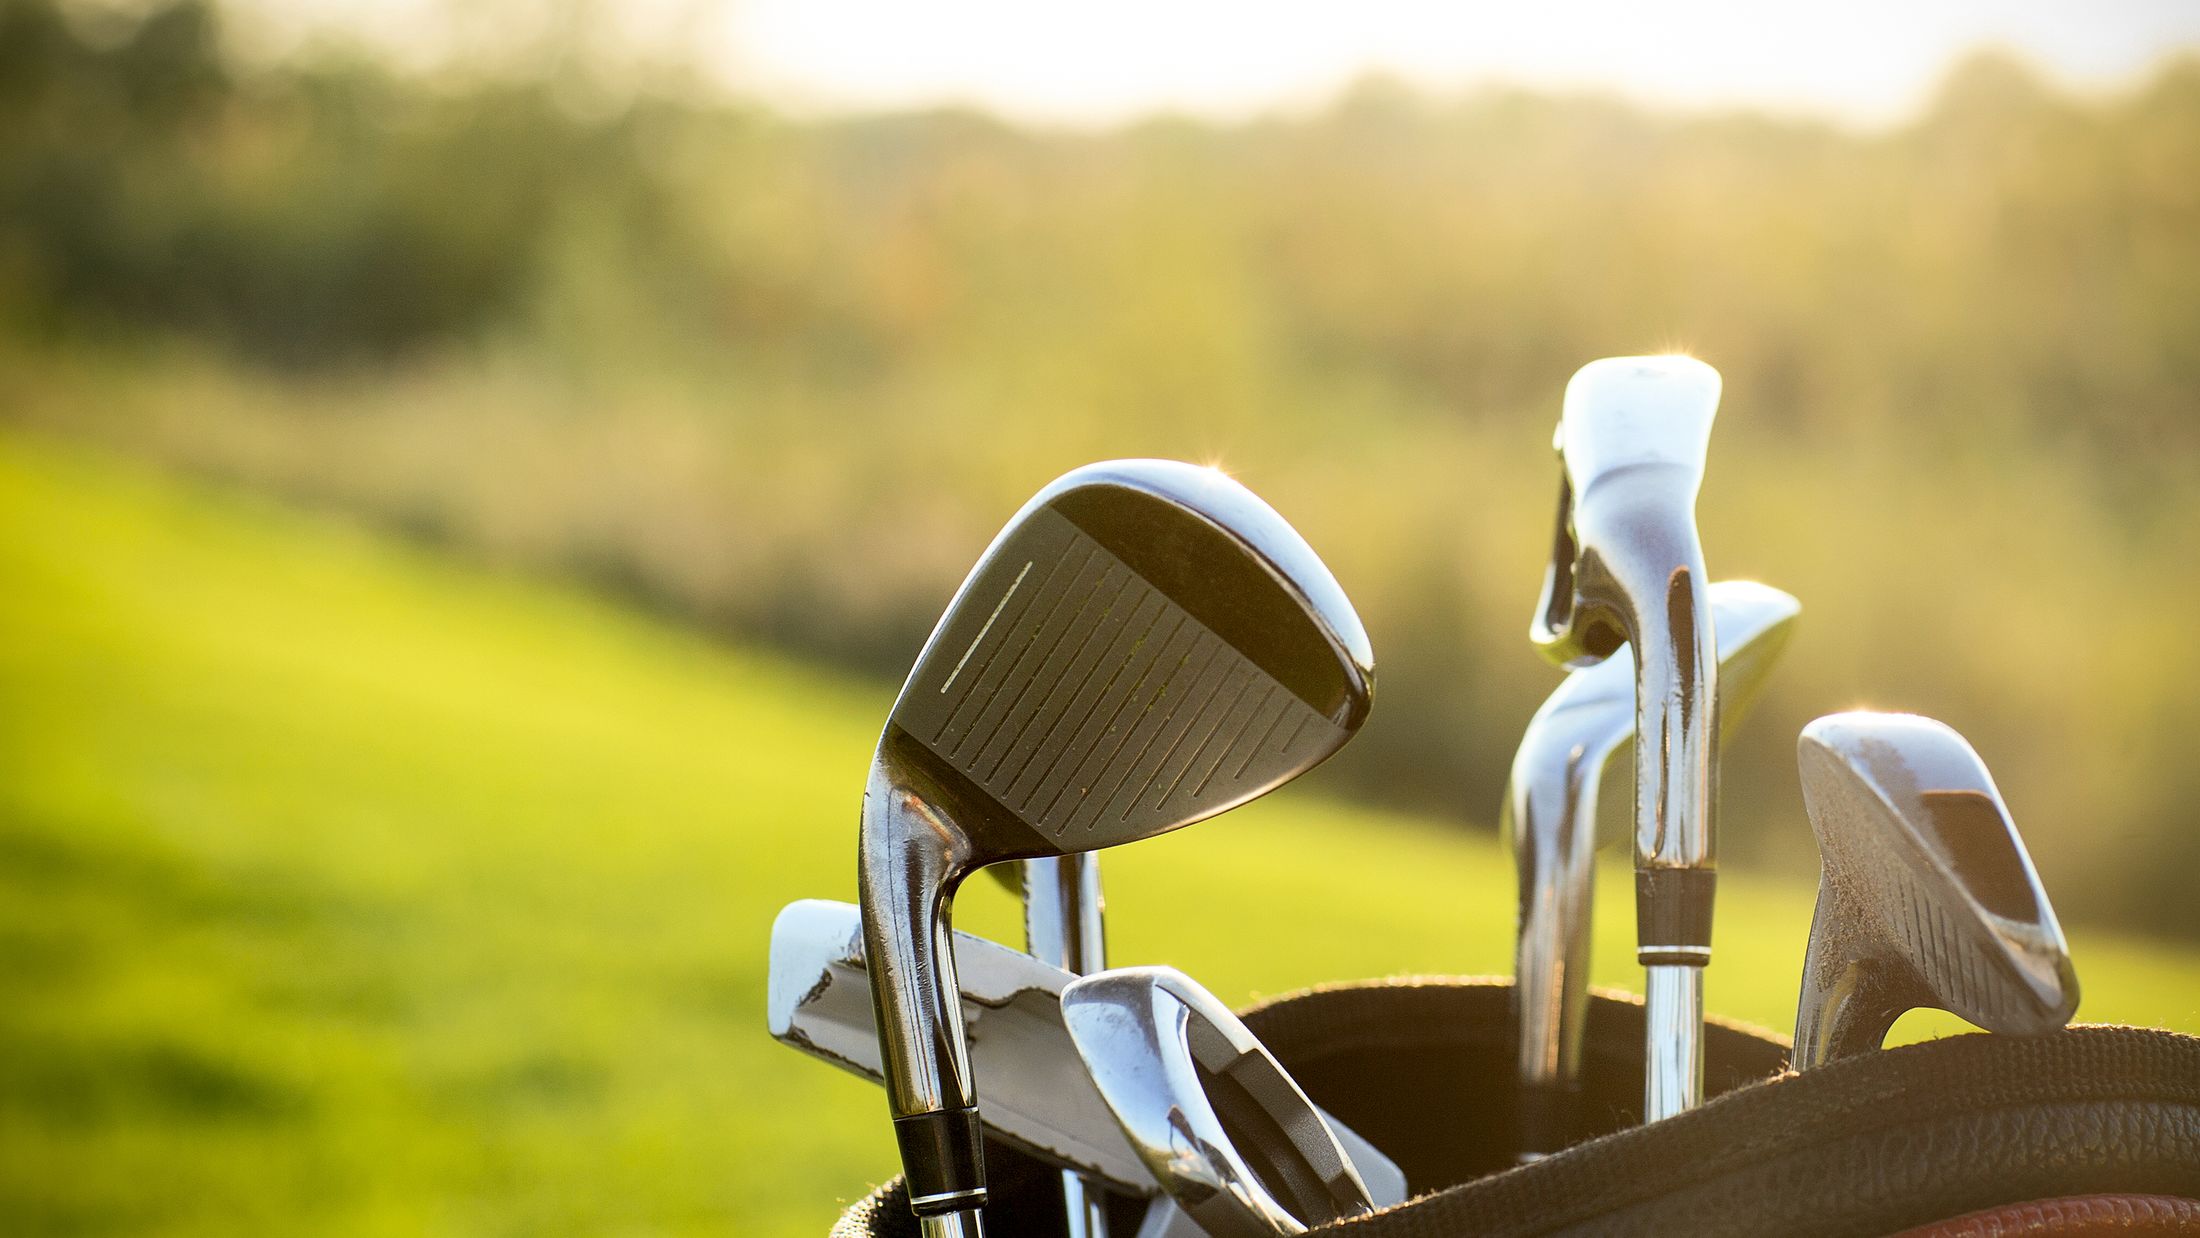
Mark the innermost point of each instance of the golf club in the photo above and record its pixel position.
(1144, 645)
(1223, 1127)
(1627, 569)
(1039, 1097)
(1927, 898)
(1550, 814)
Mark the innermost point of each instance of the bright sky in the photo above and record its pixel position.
(1862, 60)
(1868, 61)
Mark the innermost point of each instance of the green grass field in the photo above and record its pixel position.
(345, 890)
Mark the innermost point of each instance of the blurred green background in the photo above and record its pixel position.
(460, 531)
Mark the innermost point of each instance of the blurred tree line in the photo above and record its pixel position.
(782, 378)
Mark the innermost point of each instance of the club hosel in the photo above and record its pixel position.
(907, 870)
(1669, 625)
(1848, 1004)
(1676, 732)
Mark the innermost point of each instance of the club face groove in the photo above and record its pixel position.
(1928, 896)
(1144, 645)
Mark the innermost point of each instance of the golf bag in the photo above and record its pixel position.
(2091, 1130)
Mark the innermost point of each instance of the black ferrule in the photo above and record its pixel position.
(1673, 913)
(943, 1155)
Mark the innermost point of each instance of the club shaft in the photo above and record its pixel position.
(951, 1225)
(1673, 1080)
(1084, 1208)
(1064, 925)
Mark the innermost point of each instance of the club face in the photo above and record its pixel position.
(1145, 645)
(1632, 441)
(1924, 867)
(1222, 1125)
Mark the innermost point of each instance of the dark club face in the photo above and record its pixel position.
(1146, 645)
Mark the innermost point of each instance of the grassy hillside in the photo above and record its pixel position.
(343, 891)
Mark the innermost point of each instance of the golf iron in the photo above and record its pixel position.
(1144, 645)
(1927, 896)
(1550, 814)
(1627, 568)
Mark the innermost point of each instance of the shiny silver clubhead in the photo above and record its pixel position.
(1928, 897)
(1038, 1096)
(1627, 568)
(1145, 645)
(1224, 1128)
(1550, 814)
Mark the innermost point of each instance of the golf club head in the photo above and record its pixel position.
(1223, 1127)
(1627, 565)
(1039, 1097)
(1927, 898)
(1550, 815)
(1632, 440)
(1144, 645)
(1627, 568)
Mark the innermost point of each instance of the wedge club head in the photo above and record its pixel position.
(1039, 1097)
(1550, 814)
(1146, 644)
(1627, 568)
(1927, 897)
(1223, 1127)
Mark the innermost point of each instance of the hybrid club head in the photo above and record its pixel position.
(1927, 898)
(1223, 1127)
(1038, 1097)
(1627, 568)
(1550, 814)
(1146, 644)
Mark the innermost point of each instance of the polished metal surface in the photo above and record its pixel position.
(1146, 644)
(1627, 568)
(1927, 898)
(1038, 1096)
(1222, 1126)
(1063, 925)
(1550, 814)
(1673, 1031)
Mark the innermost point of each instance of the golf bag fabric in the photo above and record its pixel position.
(2089, 1130)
